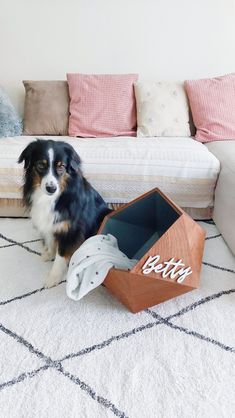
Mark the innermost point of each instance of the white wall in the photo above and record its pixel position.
(161, 39)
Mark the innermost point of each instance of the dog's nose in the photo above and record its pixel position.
(51, 188)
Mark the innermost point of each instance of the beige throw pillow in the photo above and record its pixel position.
(46, 110)
(162, 109)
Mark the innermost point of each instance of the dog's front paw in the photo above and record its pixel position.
(52, 280)
(47, 255)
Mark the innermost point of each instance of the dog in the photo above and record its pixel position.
(64, 207)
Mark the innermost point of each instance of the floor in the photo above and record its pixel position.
(93, 358)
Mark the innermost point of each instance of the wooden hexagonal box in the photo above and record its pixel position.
(167, 243)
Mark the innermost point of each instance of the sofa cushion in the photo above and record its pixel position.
(162, 109)
(46, 110)
(224, 212)
(102, 105)
(212, 102)
(123, 168)
(10, 122)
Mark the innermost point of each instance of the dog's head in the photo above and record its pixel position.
(48, 165)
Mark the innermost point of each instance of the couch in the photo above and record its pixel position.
(199, 178)
(123, 168)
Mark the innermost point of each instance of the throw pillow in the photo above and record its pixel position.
(212, 102)
(102, 105)
(10, 123)
(46, 110)
(162, 109)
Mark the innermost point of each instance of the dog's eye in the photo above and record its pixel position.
(40, 165)
(61, 169)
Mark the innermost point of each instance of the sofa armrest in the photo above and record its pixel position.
(224, 205)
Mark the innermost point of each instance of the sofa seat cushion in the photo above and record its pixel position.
(224, 212)
(123, 168)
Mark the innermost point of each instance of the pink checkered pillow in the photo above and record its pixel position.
(212, 102)
(102, 105)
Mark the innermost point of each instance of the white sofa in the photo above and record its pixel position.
(199, 178)
(123, 168)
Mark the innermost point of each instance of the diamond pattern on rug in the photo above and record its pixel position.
(94, 358)
(41, 398)
(21, 272)
(131, 377)
(15, 359)
(213, 281)
(212, 319)
(54, 320)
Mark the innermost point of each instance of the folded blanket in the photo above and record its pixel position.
(90, 264)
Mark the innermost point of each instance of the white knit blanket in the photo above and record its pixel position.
(90, 264)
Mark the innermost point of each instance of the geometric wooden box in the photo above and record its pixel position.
(167, 243)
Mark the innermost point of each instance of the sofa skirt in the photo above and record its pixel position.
(13, 208)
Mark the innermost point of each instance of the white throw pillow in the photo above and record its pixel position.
(162, 109)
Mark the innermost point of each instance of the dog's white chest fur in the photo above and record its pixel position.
(42, 213)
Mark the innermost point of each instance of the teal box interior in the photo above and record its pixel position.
(138, 226)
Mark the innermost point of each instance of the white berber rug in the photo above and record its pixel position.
(94, 359)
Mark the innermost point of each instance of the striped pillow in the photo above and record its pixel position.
(212, 102)
(102, 105)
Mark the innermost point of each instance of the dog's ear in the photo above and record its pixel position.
(26, 154)
(75, 162)
(73, 158)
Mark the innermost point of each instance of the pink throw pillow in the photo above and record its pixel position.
(212, 103)
(102, 105)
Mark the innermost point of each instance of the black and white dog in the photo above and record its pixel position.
(64, 207)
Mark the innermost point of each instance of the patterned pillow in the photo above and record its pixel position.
(10, 123)
(162, 109)
(102, 105)
(212, 102)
